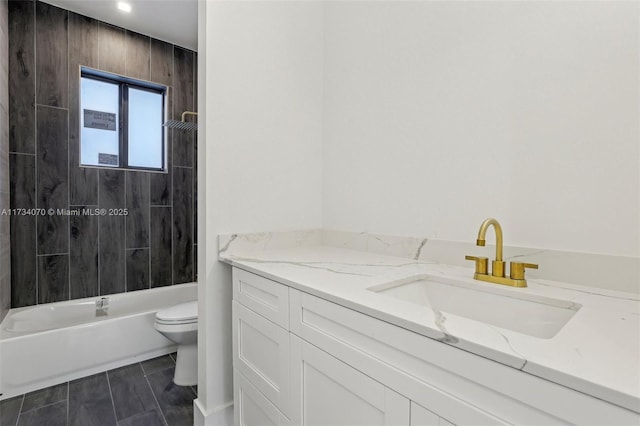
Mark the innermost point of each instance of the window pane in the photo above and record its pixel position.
(99, 123)
(145, 129)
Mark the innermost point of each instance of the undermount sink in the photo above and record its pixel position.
(535, 316)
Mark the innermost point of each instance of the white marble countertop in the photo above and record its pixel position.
(597, 352)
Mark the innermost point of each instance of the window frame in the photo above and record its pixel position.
(124, 83)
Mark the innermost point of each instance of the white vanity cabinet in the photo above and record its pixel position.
(302, 360)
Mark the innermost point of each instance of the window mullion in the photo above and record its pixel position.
(124, 123)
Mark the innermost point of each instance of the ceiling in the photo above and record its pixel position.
(174, 21)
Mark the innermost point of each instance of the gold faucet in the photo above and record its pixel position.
(516, 269)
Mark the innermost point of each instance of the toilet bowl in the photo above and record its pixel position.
(179, 324)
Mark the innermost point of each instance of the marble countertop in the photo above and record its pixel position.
(597, 352)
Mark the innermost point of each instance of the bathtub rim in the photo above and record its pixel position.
(4, 334)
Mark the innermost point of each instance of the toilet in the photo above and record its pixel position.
(179, 323)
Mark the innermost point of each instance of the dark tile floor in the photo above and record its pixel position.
(140, 394)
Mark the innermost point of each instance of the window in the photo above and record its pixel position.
(121, 122)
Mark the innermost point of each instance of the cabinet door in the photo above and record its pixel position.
(420, 416)
(261, 354)
(334, 393)
(251, 408)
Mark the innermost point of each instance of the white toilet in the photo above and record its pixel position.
(179, 324)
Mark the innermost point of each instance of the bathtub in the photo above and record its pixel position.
(52, 343)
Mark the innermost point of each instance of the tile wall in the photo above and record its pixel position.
(5, 262)
(60, 257)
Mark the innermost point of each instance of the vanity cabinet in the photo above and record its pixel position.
(302, 360)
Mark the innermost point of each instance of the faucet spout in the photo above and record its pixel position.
(482, 234)
(516, 275)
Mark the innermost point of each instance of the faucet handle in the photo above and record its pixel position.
(516, 269)
(481, 264)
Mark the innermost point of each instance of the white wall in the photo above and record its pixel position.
(267, 114)
(412, 118)
(260, 162)
(440, 114)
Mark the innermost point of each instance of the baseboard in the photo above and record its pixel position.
(219, 416)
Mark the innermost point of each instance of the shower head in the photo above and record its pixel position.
(182, 124)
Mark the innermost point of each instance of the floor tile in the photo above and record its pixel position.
(140, 394)
(46, 396)
(131, 392)
(176, 402)
(49, 415)
(157, 364)
(149, 418)
(90, 402)
(9, 410)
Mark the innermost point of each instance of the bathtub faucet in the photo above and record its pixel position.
(102, 307)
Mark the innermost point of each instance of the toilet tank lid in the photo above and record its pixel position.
(183, 311)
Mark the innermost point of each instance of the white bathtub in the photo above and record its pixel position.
(52, 343)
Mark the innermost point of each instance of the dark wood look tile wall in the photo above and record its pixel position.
(23, 261)
(83, 51)
(183, 101)
(51, 55)
(111, 255)
(23, 230)
(53, 278)
(22, 83)
(161, 248)
(137, 269)
(83, 255)
(182, 225)
(52, 186)
(137, 63)
(22, 186)
(137, 203)
(112, 53)
(111, 189)
(61, 256)
(161, 62)
(160, 189)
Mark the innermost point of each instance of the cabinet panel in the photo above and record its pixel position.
(261, 354)
(333, 393)
(266, 297)
(420, 416)
(251, 408)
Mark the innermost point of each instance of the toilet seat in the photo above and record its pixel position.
(181, 314)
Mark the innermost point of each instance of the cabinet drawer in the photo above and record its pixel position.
(251, 408)
(261, 354)
(268, 298)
